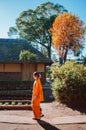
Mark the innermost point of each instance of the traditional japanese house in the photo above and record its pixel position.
(12, 68)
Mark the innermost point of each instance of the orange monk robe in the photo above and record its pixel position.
(38, 95)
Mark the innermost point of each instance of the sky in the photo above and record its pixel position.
(10, 10)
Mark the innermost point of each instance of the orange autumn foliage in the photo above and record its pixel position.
(67, 31)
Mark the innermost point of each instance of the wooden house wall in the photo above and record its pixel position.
(27, 71)
(20, 71)
(10, 71)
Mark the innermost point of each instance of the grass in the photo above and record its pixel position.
(13, 103)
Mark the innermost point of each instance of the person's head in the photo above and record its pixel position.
(36, 75)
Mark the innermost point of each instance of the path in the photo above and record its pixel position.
(56, 117)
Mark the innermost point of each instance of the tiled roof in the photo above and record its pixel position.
(10, 50)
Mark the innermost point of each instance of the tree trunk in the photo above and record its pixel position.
(62, 53)
(49, 52)
(49, 48)
(65, 55)
(60, 60)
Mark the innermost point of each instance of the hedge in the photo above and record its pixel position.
(69, 82)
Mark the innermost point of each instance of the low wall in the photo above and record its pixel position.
(20, 90)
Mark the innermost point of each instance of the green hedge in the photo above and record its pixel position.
(69, 82)
(15, 89)
(15, 85)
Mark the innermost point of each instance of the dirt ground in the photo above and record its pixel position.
(50, 110)
(4, 126)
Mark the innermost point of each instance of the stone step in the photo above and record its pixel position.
(16, 101)
(15, 107)
(15, 104)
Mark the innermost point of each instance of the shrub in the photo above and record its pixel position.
(69, 82)
(26, 56)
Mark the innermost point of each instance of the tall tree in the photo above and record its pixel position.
(13, 32)
(67, 33)
(33, 25)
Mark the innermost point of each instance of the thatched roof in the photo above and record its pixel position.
(10, 50)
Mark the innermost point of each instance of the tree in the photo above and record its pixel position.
(13, 32)
(67, 33)
(84, 60)
(33, 25)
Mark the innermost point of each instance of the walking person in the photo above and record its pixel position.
(37, 96)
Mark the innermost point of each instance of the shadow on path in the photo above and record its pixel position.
(80, 108)
(46, 125)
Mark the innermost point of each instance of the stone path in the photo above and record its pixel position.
(56, 121)
(56, 116)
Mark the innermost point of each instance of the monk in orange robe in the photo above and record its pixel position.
(37, 96)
